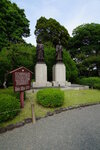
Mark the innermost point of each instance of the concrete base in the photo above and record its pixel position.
(41, 84)
(59, 75)
(68, 87)
(75, 87)
(41, 76)
(40, 73)
(61, 84)
(59, 72)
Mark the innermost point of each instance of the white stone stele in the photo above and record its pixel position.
(41, 72)
(59, 75)
(41, 76)
(59, 72)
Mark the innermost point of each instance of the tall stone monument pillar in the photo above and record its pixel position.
(59, 69)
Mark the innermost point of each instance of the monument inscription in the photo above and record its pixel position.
(21, 79)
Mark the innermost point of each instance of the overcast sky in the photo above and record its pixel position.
(69, 13)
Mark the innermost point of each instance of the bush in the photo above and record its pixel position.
(91, 82)
(97, 86)
(8, 103)
(50, 97)
(10, 91)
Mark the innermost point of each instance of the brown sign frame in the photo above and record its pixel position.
(21, 79)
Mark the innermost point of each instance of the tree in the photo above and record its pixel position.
(49, 30)
(13, 23)
(84, 48)
(14, 56)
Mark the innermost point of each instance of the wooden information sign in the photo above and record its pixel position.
(22, 81)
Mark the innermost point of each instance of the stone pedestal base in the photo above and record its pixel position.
(59, 72)
(61, 84)
(40, 73)
(41, 76)
(42, 84)
(59, 75)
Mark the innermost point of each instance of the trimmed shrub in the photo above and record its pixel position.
(90, 81)
(97, 86)
(9, 107)
(50, 97)
(10, 91)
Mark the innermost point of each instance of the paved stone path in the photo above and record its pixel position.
(71, 130)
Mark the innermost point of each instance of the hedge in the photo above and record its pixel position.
(93, 82)
(10, 91)
(9, 107)
(50, 97)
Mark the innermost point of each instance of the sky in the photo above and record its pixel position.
(69, 13)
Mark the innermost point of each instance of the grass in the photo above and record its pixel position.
(72, 98)
(78, 97)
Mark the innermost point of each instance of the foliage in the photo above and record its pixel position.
(14, 56)
(22, 55)
(9, 107)
(49, 30)
(90, 81)
(96, 86)
(10, 91)
(5, 65)
(71, 70)
(50, 97)
(13, 23)
(84, 48)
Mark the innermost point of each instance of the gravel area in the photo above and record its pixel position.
(71, 130)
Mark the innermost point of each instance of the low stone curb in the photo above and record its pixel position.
(29, 120)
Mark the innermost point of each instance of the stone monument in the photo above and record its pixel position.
(40, 67)
(59, 69)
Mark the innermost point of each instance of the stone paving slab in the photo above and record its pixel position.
(72, 130)
(69, 87)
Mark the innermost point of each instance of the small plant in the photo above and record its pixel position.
(50, 97)
(9, 107)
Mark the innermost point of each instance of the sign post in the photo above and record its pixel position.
(22, 82)
(22, 99)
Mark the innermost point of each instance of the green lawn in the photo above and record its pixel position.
(72, 98)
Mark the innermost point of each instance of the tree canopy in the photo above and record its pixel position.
(14, 56)
(49, 30)
(13, 23)
(84, 48)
